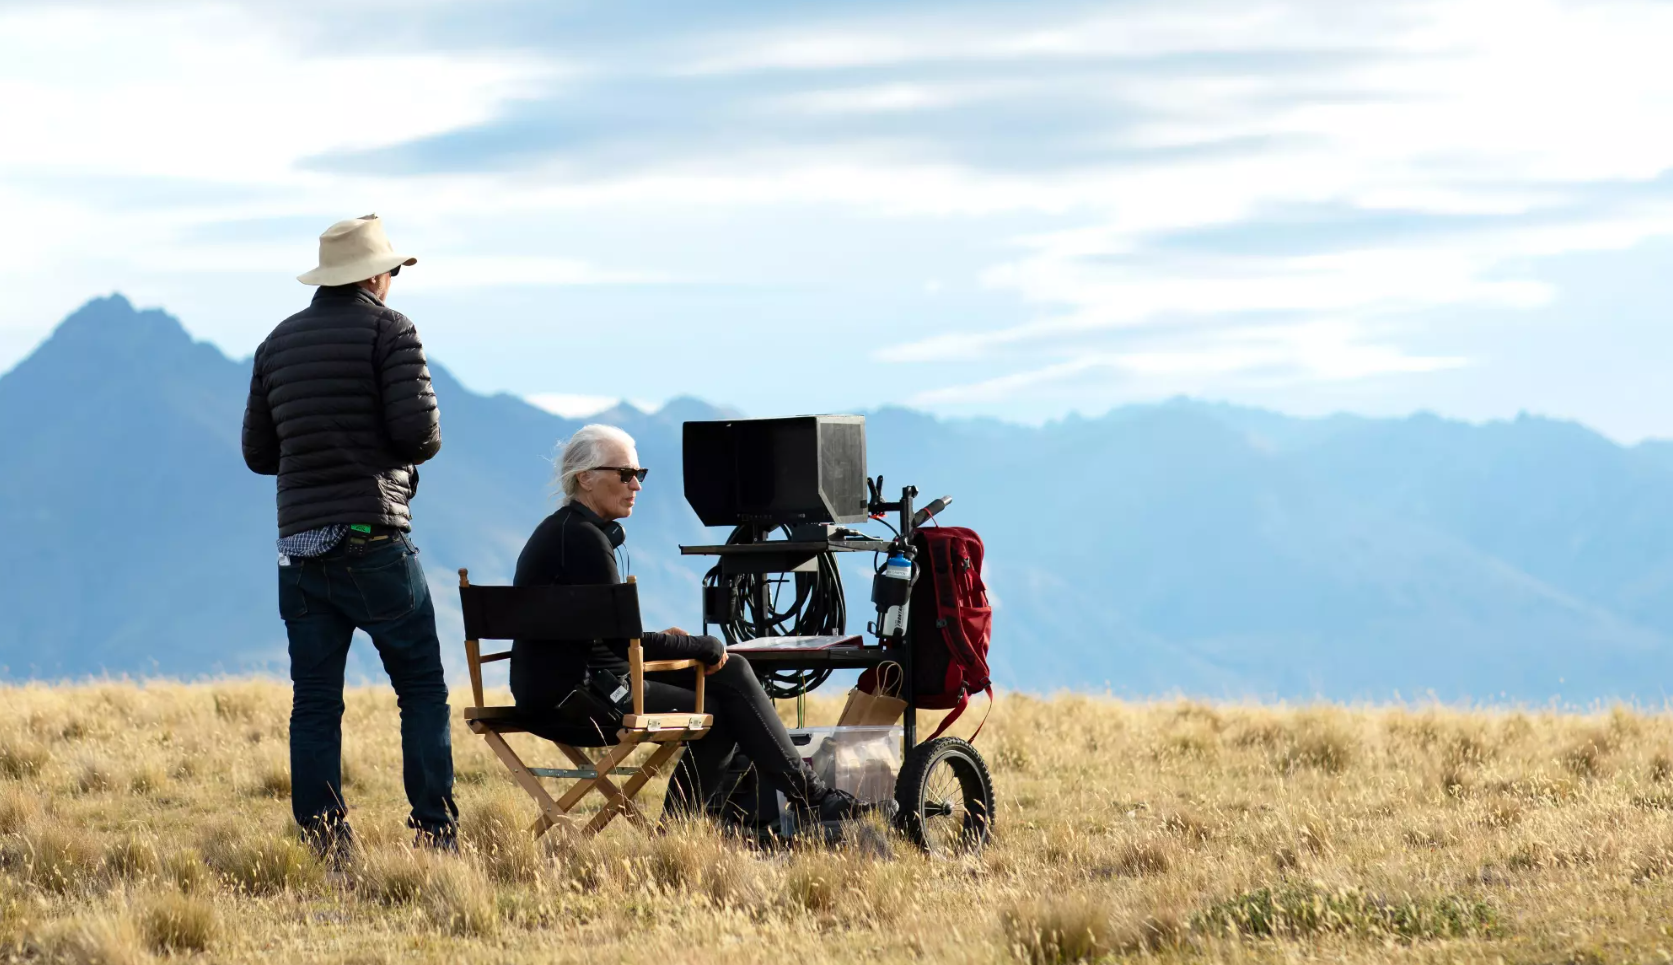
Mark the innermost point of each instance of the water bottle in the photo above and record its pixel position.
(891, 591)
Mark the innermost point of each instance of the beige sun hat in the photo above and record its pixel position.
(354, 250)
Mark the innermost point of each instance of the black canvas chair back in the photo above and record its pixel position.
(566, 613)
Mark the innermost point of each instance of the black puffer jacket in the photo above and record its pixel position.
(341, 410)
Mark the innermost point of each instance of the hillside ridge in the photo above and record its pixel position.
(1180, 546)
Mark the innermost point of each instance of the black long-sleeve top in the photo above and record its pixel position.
(573, 547)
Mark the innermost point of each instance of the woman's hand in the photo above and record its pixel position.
(707, 671)
(677, 631)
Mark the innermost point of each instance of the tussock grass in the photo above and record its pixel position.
(148, 822)
(102, 939)
(260, 863)
(133, 857)
(174, 923)
(21, 758)
(460, 900)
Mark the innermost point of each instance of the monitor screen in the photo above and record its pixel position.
(804, 469)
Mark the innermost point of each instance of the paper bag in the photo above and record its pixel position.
(879, 709)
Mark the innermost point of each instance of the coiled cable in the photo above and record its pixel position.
(818, 609)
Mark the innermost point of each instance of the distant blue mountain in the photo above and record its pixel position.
(1190, 547)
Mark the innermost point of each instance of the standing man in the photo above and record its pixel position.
(341, 410)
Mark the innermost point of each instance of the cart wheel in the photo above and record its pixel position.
(945, 797)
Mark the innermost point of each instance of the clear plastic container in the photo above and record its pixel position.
(860, 760)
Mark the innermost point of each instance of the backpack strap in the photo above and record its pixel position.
(963, 702)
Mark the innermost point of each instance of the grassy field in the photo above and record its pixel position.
(142, 822)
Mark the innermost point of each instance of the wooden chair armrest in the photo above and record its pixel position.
(638, 666)
(490, 713)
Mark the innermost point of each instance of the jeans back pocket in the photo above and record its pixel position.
(385, 586)
(293, 603)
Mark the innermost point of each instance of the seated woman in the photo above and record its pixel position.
(600, 477)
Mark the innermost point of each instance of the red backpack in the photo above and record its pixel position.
(952, 623)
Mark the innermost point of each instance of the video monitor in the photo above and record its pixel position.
(772, 472)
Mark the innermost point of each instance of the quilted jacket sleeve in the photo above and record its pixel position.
(261, 440)
(410, 413)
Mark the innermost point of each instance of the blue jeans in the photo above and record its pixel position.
(377, 587)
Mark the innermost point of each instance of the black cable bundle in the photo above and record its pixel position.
(818, 609)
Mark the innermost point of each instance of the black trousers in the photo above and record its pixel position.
(744, 720)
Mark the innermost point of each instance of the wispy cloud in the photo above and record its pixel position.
(1199, 196)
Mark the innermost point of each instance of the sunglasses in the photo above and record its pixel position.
(394, 271)
(624, 472)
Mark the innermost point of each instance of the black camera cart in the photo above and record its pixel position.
(943, 790)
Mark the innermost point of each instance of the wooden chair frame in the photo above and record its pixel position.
(668, 732)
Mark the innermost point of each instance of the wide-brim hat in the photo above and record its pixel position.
(352, 251)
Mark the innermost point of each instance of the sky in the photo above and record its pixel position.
(1018, 210)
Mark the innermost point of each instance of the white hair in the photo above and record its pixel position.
(584, 451)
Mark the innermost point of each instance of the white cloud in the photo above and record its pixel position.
(1192, 116)
(1319, 351)
(203, 93)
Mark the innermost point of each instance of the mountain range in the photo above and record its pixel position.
(1186, 546)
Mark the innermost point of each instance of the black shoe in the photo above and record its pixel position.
(839, 805)
(332, 842)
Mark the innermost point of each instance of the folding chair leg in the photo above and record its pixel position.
(615, 800)
(574, 795)
(665, 756)
(551, 812)
(653, 764)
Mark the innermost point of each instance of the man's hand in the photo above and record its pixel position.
(677, 631)
(724, 656)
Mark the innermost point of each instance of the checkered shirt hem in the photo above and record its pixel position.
(314, 542)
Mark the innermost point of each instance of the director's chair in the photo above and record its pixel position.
(575, 616)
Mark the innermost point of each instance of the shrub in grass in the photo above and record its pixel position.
(149, 779)
(93, 776)
(273, 780)
(174, 923)
(460, 900)
(1313, 837)
(1320, 747)
(496, 831)
(1298, 910)
(132, 858)
(684, 858)
(187, 871)
(815, 882)
(236, 705)
(55, 860)
(264, 866)
(736, 881)
(392, 876)
(95, 941)
(1142, 858)
(18, 810)
(21, 759)
(15, 916)
(1588, 757)
(1053, 931)
(1187, 827)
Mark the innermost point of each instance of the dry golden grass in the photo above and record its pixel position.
(149, 822)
